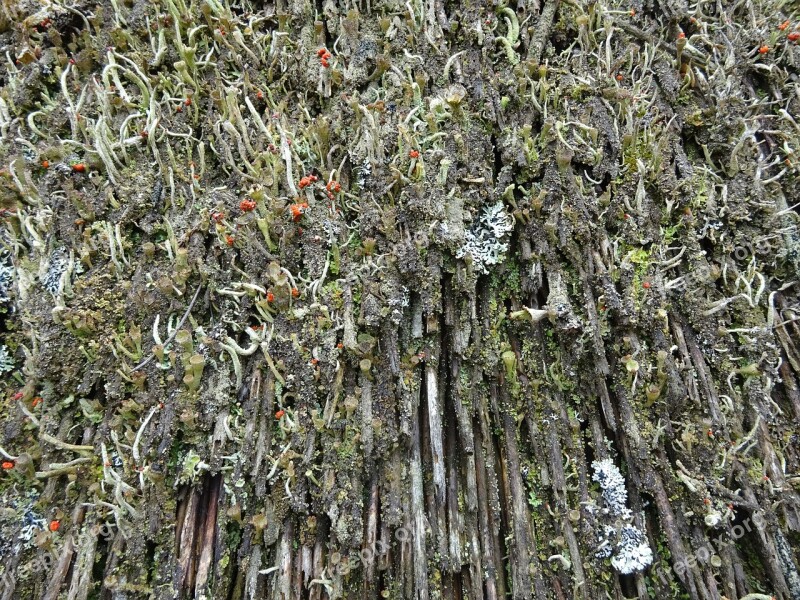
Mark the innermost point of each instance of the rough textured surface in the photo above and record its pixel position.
(393, 299)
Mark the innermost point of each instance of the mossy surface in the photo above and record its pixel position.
(332, 300)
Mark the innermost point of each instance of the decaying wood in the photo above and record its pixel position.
(423, 300)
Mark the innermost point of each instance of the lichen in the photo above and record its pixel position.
(486, 242)
(6, 360)
(631, 552)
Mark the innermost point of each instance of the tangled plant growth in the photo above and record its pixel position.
(281, 279)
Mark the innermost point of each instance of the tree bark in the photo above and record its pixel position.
(422, 300)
